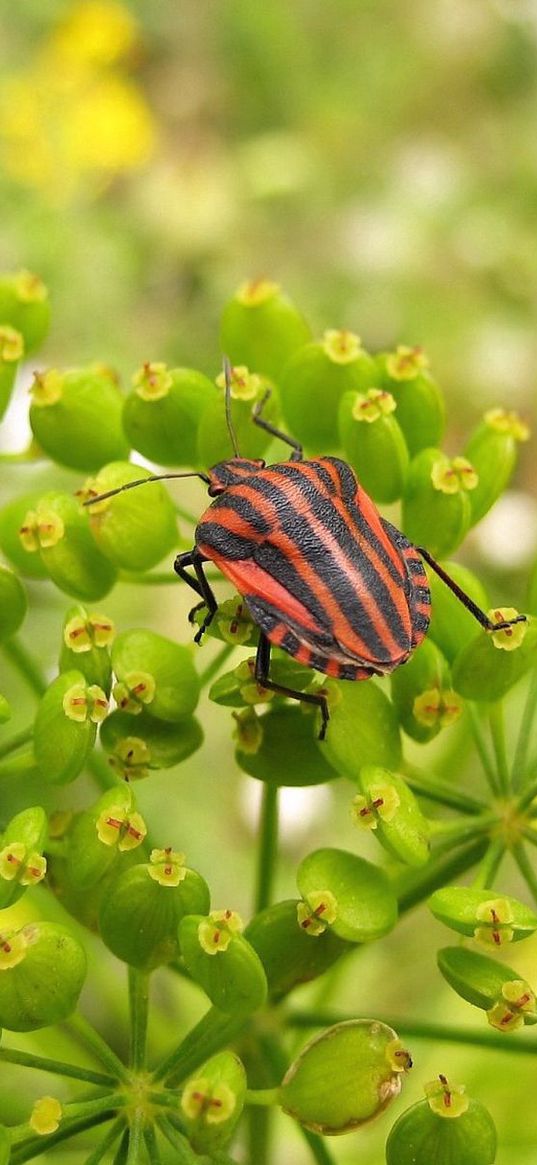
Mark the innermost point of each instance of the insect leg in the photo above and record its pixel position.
(465, 599)
(199, 584)
(262, 664)
(257, 410)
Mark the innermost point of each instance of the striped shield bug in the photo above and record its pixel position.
(324, 576)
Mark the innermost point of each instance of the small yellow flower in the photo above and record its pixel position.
(131, 758)
(138, 688)
(381, 801)
(497, 915)
(234, 622)
(213, 1103)
(245, 385)
(256, 292)
(446, 1100)
(46, 1115)
(46, 388)
(436, 706)
(317, 912)
(453, 476)
(406, 363)
(248, 732)
(167, 867)
(152, 381)
(95, 32)
(13, 947)
(509, 423)
(216, 932)
(511, 637)
(11, 344)
(118, 826)
(373, 404)
(342, 346)
(398, 1056)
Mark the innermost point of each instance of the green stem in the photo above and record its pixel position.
(136, 1150)
(106, 1142)
(481, 745)
(489, 865)
(214, 666)
(526, 868)
(213, 1032)
(21, 738)
(436, 1032)
(89, 1115)
(101, 1050)
(520, 761)
(101, 770)
(447, 832)
(259, 1128)
(262, 1096)
(25, 762)
(268, 845)
(413, 886)
(139, 1004)
(152, 1147)
(183, 1152)
(56, 1067)
(441, 792)
(24, 662)
(497, 728)
(318, 1148)
(530, 792)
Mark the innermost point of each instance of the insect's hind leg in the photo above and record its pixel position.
(465, 599)
(262, 664)
(198, 584)
(259, 420)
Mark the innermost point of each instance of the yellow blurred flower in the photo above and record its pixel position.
(98, 32)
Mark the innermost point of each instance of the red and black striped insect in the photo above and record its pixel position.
(324, 576)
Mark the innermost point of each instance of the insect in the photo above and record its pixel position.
(324, 576)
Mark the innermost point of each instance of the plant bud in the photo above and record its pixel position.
(436, 505)
(347, 893)
(287, 953)
(59, 529)
(247, 389)
(76, 417)
(120, 525)
(43, 967)
(492, 450)
(223, 962)
(85, 642)
(162, 413)
(285, 753)
(344, 1077)
(492, 662)
(239, 687)
(424, 1133)
(99, 835)
(64, 732)
(46, 1116)
(508, 1000)
(262, 328)
(12, 518)
(373, 442)
(314, 381)
(25, 305)
(139, 917)
(212, 1102)
(139, 744)
(420, 404)
(387, 805)
(21, 860)
(13, 603)
(155, 673)
(232, 623)
(452, 626)
(490, 918)
(363, 728)
(11, 351)
(422, 694)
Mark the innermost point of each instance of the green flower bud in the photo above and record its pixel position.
(11, 351)
(138, 745)
(508, 1000)
(76, 416)
(59, 529)
(247, 388)
(5, 710)
(286, 752)
(363, 728)
(64, 732)
(42, 971)
(388, 806)
(25, 305)
(139, 916)
(156, 673)
(85, 643)
(120, 525)
(99, 835)
(422, 695)
(223, 962)
(422, 1134)
(420, 404)
(238, 687)
(345, 1076)
(162, 413)
(262, 328)
(354, 896)
(492, 449)
(21, 861)
(212, 1102)
(232, 623)
(287, 953)
(13, 603)
(314, 381)
(373, 442)
(436, 505)
(490, 918)
(46, 1116)
(491, 663)
(452, 626)
(12, 518)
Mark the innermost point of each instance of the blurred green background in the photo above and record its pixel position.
(380, 161)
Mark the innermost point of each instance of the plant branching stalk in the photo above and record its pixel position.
(216, 663)
(268, 845)
(183, 1152)
(489, 865)
(213, 1032)
(412, 887)
(318, 1147)
(56, 1067)
(17, 741)
(152, 1147)
(481, 746)
(422, 1030)
(136, 1150)
(139, 1003)
(526, 868)
(26, 665)
(520, 761)
(88, 1035)
(262, 1096)
(105, 1143)
(88, 1114)
(497, 728)
(441, 792)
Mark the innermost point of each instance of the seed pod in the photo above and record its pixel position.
(286, 950)
(236, 688)
(223, 962)
(13, 603)
(420, 404)
(247, 389)
(262, 328)
(508, 1000)
(421, 1136)
(388, 806)
(347, 893)
(491, 663)
(452, 626)
(436, 504)
(212, 1102)
(11, 351)
(59, 529)
(314, 381)
(491, 918)
(43, 971)
(155, 673)
(101, 834)
(25, 305)
(422, 694)
(363, 728)
(344, 1077)
(139, 744)
(64, 732)
(373, 442)
(76, 416)
(162, 413)
(120, 524)
(285, 752)
(21, 859)
(85, 643)
(138, 918)
(12, 518)
(492, 450)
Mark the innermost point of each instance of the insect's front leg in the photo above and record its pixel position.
(199, 584)
(465, 599)
(262, 664)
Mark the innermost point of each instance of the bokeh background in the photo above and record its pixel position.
(380, 161)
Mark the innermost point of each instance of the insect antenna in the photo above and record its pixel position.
(229, 422)
(111, 493)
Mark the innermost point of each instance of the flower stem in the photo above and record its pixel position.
(136, 1150)
(262, 1096)
(214, 666)
(56, 1067)
(139, 1004)
(489, 865)
(25, 664)
(214, 1031)
(24, 762)
(183, 1152)
(101, 1050)
(415, 1029)
(268, 846)
(17, 741)
(87, 1115)
(497, 728)
(526, 868)
(481, 745)
(318, 1148)
(518, 772)
(111, 1135)
(151, 1143)
(413, 886)
(441, 792)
